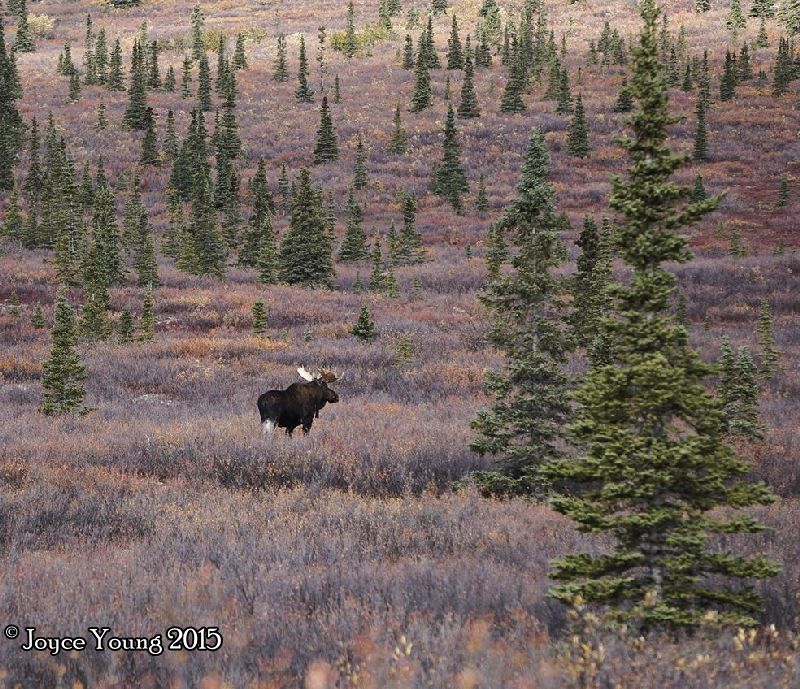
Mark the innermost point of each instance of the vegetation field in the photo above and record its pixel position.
(360, 554)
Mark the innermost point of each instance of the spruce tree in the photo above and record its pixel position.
(738, 391)
(360, 168)
(337, 90)
(145, 254)
(654, 465)
(422, 85)
(239, 58)
(365, 329)
(115, 80)
(450, 180)
(303, 93)
(64, 373)
(203, 251)
(398, 143)
(326, 148)
(762, 40)
(578, 137)
(23, 41)
(170, 81)
(197, 21)
(37, 319)
(136, 113)
(523, 428)
(736, 20)
(305, 252)
(481, 200)
(512, 95)
(74, 87)
(259, 319)
(94, 323)
(455, 57)
(105, 232)
(763, 8)
(766, 340)
(125, 328)
(564, 101)
(101, 122)
(783, 193)
(408, 53)
(468, 107)
(700, 136)
(376, 279)
(203, 84)
(148, 320)
(354, 245)
(149, 154)
(699, 190)
(186, 77)
(624, 99)
(727, 85)
(13, 224)
(153, 73)
(409, 244)
(11, 126)
(350, 41)
(590, 282)
(280, 70)
(267, 260)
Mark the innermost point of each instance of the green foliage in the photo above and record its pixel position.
(203, 84)
(326, 148)
(11, 125)
(365, 329)
(766, 340)
(398, 143)
(354, 245)
(136, 114)
(450, 180)
(37, 318)
(624, 99)
(455, 56)
(783, 193)
(654, 465)
(700, 135)
(23, 41)
(699, 190)
(524, 427)
(259, 318)
(577, 134)
(360, 169)
(148, 321)
(468, 106)
(64, 373)
(481, 200)
(302, 93)
(590, 283)
(126, 327)
(305, 252)
(422, 85)
(738, 391)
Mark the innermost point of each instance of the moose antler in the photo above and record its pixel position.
(305, 374)
(326, 375)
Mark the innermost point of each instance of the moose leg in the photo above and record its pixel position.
(307, 422)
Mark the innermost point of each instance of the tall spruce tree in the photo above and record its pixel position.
(280, 70)
(136, 113)
(654, 465)
(590, 282)
(354, 246)
(305, 252)
(360, 168)
(63, 372)
(455, 56)
(450, 180)
(524, 427)
(577, 134)
(422, 84)
(326, 148)
(303, 93)
(398, 143)
(700, 135)
(468, 106)
(11, 125)
(409, 243)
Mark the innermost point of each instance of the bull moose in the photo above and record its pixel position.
(299, 404)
